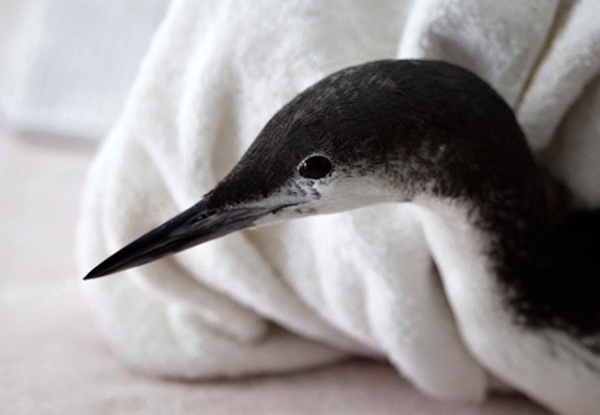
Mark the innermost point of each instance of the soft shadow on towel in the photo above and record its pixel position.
(316, 290)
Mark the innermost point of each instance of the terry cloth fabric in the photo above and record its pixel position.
(316, 290)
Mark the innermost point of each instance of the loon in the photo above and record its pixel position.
(523, 289)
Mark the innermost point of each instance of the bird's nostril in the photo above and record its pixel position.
(203, 215)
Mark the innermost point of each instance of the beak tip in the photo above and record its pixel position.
(93, 274)
(101, 270)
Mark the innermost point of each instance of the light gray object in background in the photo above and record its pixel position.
(68, 64)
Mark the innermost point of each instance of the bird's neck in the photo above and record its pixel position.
(461, 248)
(499, 236)
(474, 253)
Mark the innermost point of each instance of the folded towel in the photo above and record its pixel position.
(320, 289)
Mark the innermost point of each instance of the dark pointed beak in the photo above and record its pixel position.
(194, 226)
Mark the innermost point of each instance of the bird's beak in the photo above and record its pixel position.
(194, 226)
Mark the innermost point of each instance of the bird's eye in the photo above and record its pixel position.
(315, 167)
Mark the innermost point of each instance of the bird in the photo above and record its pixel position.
(522, 287)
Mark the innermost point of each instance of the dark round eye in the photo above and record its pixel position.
(315, 167)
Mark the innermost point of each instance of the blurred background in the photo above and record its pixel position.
(65, 68)
(66, 65)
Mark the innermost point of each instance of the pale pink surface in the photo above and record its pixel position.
(54, 361)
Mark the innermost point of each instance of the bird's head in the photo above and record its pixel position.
(378, 132)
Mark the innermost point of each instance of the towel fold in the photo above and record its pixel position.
(320, 289)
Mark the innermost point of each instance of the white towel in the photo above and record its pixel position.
(315, 290)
